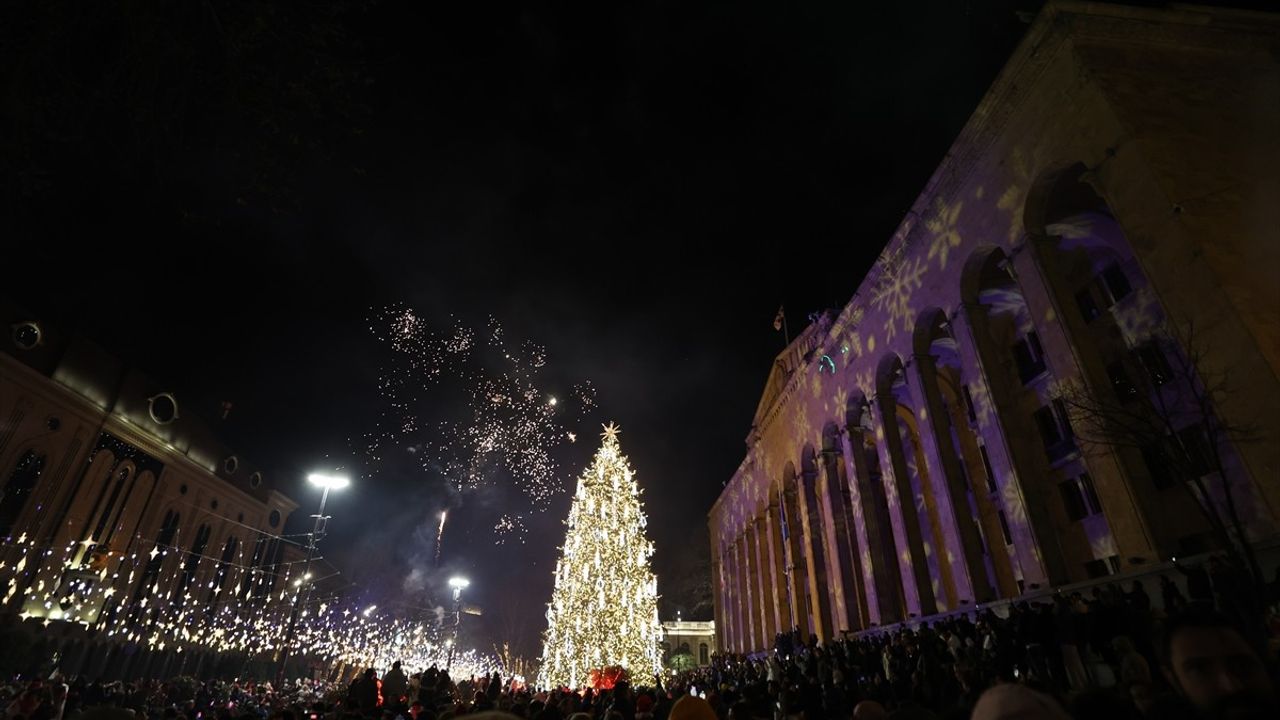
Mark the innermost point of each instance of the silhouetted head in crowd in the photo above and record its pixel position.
(1211, 664)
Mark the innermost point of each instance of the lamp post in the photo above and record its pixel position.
(326, 483)
(457, 583)
(678, 633)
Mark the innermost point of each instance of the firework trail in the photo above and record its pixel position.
(444, 515)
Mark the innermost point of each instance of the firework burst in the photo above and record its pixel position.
(504, 427)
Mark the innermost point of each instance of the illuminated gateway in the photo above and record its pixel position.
(920, 451)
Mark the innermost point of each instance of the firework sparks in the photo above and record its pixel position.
(508, 428)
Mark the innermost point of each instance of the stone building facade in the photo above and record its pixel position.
(914, 451)
(115, 498)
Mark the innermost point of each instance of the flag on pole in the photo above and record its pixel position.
(779, 319)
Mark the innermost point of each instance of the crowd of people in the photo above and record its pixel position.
(1110, 653)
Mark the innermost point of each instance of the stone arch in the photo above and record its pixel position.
(919, 528)
(850, 601)
(796, 552)
(1008, 397)
(818, 538)
(873, 523)
(19, 484)
(943, 370)
(1114, 323)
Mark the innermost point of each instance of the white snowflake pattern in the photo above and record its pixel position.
(1011, 498)
(1138, 317)
(946, 232)
(898, 281)
(1014, 198)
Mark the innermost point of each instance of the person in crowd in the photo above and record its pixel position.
(1210, 663)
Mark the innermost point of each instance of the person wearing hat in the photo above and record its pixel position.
(692, 707)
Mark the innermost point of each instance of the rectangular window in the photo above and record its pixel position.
(1120, 382)
(1096, 569)
(1055, 431)
(1004, 528)
(1154, 362)
(1063, 417)
(1072, 501)
(968, 403)
(1153, 455)
(1196, 450)
(986, 465)
(1090, 494)
(1114, 563)
(1029, 357)
(1089, 309)
(1115, 282)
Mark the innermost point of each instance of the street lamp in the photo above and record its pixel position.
(327, 483)
(458, 583)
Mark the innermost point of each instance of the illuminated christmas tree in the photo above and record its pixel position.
(604, 609)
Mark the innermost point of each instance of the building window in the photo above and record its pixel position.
(1154, 363)
(1115, 283)
(1089, 309)
(193, 558)
(1055, 430)
(1097, 569)
(1004, 528)
(15, 493)
(1080, 497)
(968, 403)
(1196, 450)
(1090, 493)
(1072, 502)
(1153, 456)
(1120, 382)
(986, 466)
(704, 654)
(1029, 357)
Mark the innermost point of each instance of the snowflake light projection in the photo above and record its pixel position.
(899, 278)
(946, 232)
(467, 406)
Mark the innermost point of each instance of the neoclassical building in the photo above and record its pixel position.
(116, 500)
(914, 453)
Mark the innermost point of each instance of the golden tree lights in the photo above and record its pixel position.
(604, 609)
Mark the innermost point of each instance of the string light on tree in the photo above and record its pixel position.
(604, 608)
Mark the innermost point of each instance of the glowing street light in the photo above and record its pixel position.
(458, 583)
(326, 483)
(329, 482)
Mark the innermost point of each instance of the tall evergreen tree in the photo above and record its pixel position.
(604, 609)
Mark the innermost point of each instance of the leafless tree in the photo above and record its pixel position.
(1167, 411)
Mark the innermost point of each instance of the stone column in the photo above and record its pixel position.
(783, 617)
(917, 586)
(797, 574)
(747, 602)
(757, 586)
(880, 569)
(1034, 545)
(717, 591)
(950, 488)
(811, 517)
(764, 561)
(848, 564)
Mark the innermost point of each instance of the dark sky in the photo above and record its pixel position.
(221, 199)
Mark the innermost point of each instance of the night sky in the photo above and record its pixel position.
(222, 199)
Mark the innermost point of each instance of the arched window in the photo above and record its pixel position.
(168, 529)
(193, 557)
(224, 566)
(14, 494)
(704, 654)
